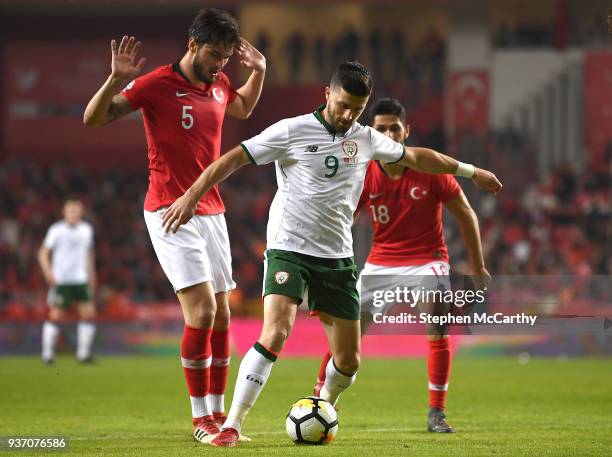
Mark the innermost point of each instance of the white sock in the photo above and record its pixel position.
(335, 383)
(86, 331)
(217, 403)
(254, 371)
(199, 406)
(50, 332)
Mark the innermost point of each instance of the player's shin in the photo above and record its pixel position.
(439, 372)
(336, 382)
(86, 332)
(50, 333)
(254, 371)
(323, 368)
(196, 360)
(218, 371)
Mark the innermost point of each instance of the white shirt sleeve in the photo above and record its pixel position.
(384, 148)
(269, 145)
(51, 238)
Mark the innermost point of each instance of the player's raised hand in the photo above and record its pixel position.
(250, 57)
(486, 180)
(123, 61)
(179, 213)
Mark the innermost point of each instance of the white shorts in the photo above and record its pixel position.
(198, 252)
(429, 276)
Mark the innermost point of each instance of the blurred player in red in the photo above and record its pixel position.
(405, 207)
(183, 106)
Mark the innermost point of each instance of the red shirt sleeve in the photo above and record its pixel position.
(446, 187)
(138, 91)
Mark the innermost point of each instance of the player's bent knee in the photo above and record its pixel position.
(348, 363)
(55, 314)
(200, 317)
(274, 339)
(222, 318)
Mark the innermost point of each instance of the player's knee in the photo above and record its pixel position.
(87, 312)
(274, 338)
(200, 317)
(55, 314)
(222, 318)
(348, 363)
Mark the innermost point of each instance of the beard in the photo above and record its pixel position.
(338, 127)
(200, 73)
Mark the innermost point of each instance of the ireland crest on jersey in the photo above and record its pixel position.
(350, 150)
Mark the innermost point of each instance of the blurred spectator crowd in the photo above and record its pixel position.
(556, 225)
(385, 52)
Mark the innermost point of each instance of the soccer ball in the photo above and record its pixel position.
(312, 420)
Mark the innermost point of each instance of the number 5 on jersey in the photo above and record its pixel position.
(187, 119)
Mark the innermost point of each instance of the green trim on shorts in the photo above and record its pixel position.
(331, 283)
(66, 295)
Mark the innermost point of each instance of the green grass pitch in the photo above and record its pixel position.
(137, 406)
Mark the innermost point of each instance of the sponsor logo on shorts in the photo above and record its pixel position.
(281, 277)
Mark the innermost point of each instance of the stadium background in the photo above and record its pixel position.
(519, 87)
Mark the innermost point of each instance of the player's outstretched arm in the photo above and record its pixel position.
(248, 94)
(470, 232)
(430, 161)
(107, 105)
(184, 207)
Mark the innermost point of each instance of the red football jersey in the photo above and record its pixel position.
(182, 124)
(407, 215)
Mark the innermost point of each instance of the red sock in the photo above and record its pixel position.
(196, 358)
(324, 362)
(219, 369)
(439, 372)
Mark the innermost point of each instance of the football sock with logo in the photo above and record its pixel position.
(219, 370)
(254, 371)
(196, 359)
(438, 362)
(323, 367)
(336, 382)
(86, 331)
(50, 332)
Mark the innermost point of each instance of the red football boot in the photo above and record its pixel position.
(205, 429)
(227, 438)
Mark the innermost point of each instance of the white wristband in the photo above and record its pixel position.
(465, 170)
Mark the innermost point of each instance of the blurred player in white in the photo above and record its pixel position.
(405, 208)
(321, 160)
(67, 261)
(183, 106)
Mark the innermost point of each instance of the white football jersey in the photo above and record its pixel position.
(320, 176)
(69, 245)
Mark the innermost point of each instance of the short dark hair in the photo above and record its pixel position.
(214, 26)
(390, 106)
(354, 78)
